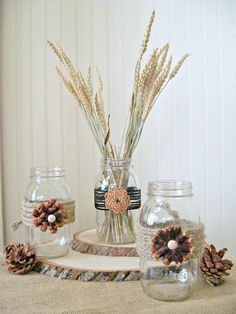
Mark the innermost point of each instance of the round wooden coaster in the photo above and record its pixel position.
(86, 267)
(87, 242)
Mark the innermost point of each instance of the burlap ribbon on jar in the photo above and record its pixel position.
(27, 208)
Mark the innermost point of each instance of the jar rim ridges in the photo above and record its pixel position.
(117, 162)
(49, 171)
(171, 188)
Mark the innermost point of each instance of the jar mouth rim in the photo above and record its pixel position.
(170, 188)
(47, 171)
(122, 159)
(170, 185)
(117, 162)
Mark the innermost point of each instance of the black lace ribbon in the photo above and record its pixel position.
(134, 194)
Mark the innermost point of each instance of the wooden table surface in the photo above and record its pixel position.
(36, 293)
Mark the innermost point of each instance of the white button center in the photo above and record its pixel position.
(51, 218)
(172, 245)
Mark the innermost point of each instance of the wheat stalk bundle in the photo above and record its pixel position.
(149, 81)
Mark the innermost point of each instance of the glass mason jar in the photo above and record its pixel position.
(48, 211)
(170, 241)
(117, 197)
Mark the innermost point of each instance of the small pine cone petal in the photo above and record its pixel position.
(60, 224)
(164, 236)
(215, 258)
(219, 266)
(221, 253)
(43, 228)
(163, 251)
(209, 264)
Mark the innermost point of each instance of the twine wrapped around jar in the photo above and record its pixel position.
(27, 208)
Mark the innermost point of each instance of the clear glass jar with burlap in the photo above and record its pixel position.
(48, 211)
(170, 239)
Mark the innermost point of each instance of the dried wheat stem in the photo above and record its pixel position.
(55, 50)
(177, 67)
(100, 113)
(89, 79)
(99, 79)
(148, 70)
(147, 36)
(68, 85)
(156, 88)
(162, 58)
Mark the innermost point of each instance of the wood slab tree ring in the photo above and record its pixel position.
(87, 242)
(86, 267)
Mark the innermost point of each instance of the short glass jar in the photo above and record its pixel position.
(117, 197)
(48, 211)
(170, 241)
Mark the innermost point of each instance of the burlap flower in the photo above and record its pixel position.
(117, 200)
(172, 245)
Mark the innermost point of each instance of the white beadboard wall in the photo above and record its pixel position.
(191, 133)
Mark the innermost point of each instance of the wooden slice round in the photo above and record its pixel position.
(87, 242)
(86, 267)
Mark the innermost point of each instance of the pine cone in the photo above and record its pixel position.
(49, 216)
(20, 258)
(213, 267)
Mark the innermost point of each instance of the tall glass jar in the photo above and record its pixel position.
(170, 241)
(48, 211)
(117, 197)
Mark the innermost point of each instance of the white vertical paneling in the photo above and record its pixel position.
(116, 51)
(227, 40)
(190, 133)
(84, 52)
(131, 16)
(213, 120)
(143, 153)
(99, 52)
(1, 208)
(69, 110)
(53, 95)
(165, 132)
(180, 103)
(25, 99)
(1, 147)
(130, 20)
(39, 88)
(9, 101)
(197, 102)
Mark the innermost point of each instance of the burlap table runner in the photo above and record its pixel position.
(35, 293)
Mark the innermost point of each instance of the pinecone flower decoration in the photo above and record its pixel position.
(213, 266)
(172, 245)
(20, 258)
(49, 216)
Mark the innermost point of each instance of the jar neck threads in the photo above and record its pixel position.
(170, 188)
(118, 163)
(47, 172)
